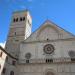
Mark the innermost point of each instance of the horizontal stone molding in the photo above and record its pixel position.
(55, 60)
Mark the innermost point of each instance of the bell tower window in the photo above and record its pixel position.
(23, 18)
(16, 19)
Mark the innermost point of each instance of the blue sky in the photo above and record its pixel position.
(61, 12)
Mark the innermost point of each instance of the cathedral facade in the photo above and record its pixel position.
(50, 50)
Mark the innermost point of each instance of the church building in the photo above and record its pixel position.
(50, 50)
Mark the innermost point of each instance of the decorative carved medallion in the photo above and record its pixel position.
(28, 55)
(49, 48)
(71, 53)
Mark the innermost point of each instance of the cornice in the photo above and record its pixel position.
(44, 41)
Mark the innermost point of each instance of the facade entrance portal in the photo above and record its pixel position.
(49, 73)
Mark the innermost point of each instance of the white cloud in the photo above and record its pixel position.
(2, 44)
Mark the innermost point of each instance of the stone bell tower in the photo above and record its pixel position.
(20, 29)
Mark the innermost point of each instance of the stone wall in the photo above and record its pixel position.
(41, 69)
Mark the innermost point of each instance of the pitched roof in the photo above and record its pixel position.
(50, 23)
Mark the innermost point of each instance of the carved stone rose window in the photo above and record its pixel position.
(48, 49)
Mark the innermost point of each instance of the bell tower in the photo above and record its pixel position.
(20, 30)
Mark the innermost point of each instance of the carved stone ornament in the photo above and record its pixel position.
(28, 55)
(48, 49)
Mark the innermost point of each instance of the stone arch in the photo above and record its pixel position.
(49, 72)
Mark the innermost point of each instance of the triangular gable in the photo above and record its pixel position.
(63, 34)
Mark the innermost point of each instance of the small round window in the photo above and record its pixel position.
(71, 53)
(28, 55)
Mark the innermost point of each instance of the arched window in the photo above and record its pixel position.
(27, 61)
(23, 18)
(16, 19)
(49, 60)
(11, 73)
